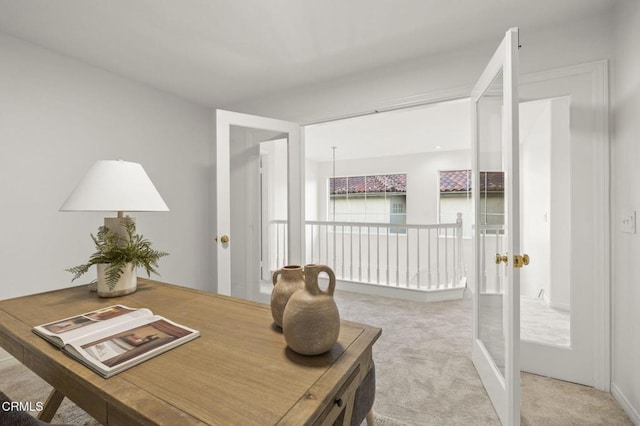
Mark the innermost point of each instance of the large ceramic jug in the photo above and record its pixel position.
(291, 280)
(311, 321)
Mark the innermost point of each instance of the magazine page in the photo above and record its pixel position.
(63, 331)
(109, 353)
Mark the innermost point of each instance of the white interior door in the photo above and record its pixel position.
(241, 142)
(496, 337)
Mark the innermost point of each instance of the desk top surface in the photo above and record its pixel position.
(238, 372)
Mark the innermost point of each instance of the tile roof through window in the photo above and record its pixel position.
(460, 181)
(368, 184)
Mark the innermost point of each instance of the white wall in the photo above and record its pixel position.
(626, 195)
(58, 116)
(535, 189)
(560, 205)
(314, 187)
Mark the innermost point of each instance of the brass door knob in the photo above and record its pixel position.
(502, 258)
(223, 239)
(520, 261)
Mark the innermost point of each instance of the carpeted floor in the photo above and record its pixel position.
(424, 373)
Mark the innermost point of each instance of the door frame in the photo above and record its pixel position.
(597, 73)
(220, 161)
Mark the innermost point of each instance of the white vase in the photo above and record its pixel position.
(126, 284)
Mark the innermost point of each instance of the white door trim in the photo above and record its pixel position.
(221, 219)
(598, 74)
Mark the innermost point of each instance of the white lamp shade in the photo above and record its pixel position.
(115, 185)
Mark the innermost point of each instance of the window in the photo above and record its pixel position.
(456, 197)
(370, 198)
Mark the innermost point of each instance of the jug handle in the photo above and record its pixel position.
(274, 277)
(332, 278)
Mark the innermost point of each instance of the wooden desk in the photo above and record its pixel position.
(239, 371)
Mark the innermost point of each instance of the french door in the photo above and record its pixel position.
(243, 218)
(495, 132)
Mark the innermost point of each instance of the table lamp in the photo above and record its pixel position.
(115, 185)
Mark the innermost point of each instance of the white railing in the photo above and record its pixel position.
(425, 257)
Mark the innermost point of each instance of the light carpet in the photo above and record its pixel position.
(424, 373)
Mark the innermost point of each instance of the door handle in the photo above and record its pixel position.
(223, 239)
(520, 261)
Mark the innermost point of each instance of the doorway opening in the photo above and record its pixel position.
(373, 201)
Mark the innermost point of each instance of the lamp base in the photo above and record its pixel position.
(128, 280)
(117, 224)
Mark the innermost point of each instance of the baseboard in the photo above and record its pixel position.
(560, 306)
(625, 404)
(435, 295)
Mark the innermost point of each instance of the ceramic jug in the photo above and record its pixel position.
(291, 280)
(311, 321)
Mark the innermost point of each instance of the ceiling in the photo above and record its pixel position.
(444, 126)
(219, 52)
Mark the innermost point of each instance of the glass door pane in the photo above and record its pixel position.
(491, 215)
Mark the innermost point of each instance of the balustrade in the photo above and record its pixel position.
(424, 257)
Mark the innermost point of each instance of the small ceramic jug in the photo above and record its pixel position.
(311, 321)
(291, 280)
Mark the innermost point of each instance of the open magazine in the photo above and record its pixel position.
(115, 338)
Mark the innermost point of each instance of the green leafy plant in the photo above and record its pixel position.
(117, 251)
